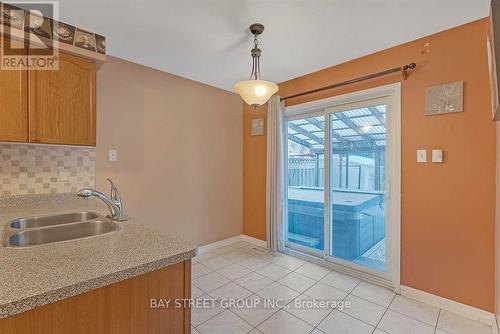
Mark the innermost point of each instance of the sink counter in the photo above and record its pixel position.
(35, 276)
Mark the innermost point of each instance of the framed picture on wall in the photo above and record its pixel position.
(444, 99)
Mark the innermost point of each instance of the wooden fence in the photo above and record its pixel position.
(305, 172)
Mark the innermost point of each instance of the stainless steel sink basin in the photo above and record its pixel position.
(45, 235)
(41, 221)
(40, 230)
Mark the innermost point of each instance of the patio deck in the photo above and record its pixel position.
(374, 257)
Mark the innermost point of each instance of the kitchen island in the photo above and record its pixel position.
(93, 285)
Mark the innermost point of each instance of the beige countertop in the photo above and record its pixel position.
(36, 276)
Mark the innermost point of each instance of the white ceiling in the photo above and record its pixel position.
(208, 40)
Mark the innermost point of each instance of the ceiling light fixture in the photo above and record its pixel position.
(255, 91)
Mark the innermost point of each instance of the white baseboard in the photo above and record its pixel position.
(218, 244)
(232, 240)
(252, 240)
(450, 305)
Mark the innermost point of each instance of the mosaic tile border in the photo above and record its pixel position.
(37, 169)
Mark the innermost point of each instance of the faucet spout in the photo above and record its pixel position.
(85, 192)
(115, 206)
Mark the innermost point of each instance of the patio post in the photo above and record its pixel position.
(316, 169)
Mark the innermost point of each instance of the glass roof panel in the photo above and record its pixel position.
(319, 134)
(357, 112)
(310, 127)
(377, 129)
(346, 132)
(338, 125)
(301, 136)
(365, 120)
(318, 119)
(299, 121)
(364, 124)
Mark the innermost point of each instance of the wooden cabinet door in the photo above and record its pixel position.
(119, 308)
(13, 104)
(62, 103)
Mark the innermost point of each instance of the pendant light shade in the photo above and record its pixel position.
(255, 91)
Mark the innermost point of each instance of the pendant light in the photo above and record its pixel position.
(255, 91)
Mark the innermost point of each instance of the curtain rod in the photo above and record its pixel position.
(403, 69)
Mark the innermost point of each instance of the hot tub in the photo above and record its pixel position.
(358, 220)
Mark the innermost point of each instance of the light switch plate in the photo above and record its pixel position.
(257, 127)
(421, 155)
(437, 156)
(112, 155)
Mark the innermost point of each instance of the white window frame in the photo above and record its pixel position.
(391, 95)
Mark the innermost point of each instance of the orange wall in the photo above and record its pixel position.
(448, 210)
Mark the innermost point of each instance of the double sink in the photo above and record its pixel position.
(35, 231)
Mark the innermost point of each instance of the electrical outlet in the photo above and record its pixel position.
(63, 175)
(113, 155)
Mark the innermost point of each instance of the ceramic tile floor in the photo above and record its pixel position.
(239, 271)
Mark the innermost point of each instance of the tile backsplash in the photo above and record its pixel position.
(40, 169)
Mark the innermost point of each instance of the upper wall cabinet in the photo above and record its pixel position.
(62, 103)
(13, 105)
(50, 106)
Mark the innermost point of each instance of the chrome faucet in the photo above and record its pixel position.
(114, 203)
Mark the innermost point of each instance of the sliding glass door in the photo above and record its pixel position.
(357, 180)
(305, 183)
(339, 163)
